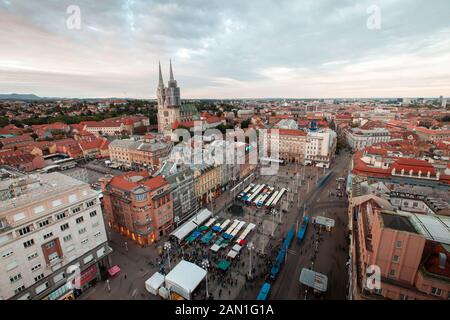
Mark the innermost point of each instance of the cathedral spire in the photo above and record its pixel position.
(161, 82)
(171, 72)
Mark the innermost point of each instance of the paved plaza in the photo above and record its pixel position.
(240, 281)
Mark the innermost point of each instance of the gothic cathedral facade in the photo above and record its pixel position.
(170, 109)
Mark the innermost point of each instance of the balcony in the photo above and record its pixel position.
(4, 226)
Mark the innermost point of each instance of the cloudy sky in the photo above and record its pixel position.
(227, 49)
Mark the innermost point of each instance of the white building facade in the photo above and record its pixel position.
(50, 225)
(320, 147)
(359, 139)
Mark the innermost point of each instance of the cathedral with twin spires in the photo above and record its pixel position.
(170, 108)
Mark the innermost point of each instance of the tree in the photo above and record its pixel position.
(4, 121)
(245, 123)
(34, 136)
(223, 127)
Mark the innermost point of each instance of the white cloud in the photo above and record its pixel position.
(227, 48)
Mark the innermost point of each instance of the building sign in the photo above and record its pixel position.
(87, 275)
(59, 292)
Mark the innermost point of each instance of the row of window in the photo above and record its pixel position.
(63, 227)
(41, 224)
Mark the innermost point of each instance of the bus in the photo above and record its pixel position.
(258, 199)
(269, 202)
(266, 196)
(253, 196)
(275, 202)
(264, 292)
(246, 190)
(250, 193)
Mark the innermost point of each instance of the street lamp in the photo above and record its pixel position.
(250, 248)
(167, 247)
(205, 265)
(273, 221)
(126, 246)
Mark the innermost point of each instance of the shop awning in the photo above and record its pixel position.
(113, 270)
(224, 265)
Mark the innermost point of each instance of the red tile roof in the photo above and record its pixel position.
(289, 132)
(415, 165)
(155, 183)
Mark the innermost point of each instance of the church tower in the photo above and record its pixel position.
(172, 91)
(170, 109)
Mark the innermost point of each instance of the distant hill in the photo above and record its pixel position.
(33, 97)
(18, 96)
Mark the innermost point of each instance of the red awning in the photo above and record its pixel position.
(242, 242)
(113, 271)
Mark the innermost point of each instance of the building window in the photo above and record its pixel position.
(48, 235)
(7, 253)
(395, 259)
(32, 256)
(64, 226)
(60, 216)
(42, 287)
(53, 257)
(79, 219)
(82, 230)
(403, 297)
(24, 231)
(19, 289)
(93, 214)
(84, 241)
(35, 267)
(392, 273)
(28, 243)
(436, 291)
(59, 277)
(76, 210)
(15, 278)
(398, 244)
(67, 238)
(43, 223)
(50, 245)
(90, 203)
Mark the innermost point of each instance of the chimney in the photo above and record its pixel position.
(442, 260)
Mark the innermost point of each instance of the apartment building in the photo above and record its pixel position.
(290, 143)
(49, 224)
(358, 138)
(138, 206)
(117, 126)
(206, 182)
(185, 201)
(320, 147)
(432, 135)
(410, 249)
(139, 152)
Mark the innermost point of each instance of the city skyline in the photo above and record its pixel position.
(305, 49)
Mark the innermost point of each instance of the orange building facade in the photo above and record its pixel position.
(138, 206)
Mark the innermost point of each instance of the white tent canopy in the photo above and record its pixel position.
(237, 248)
(182, 232)
(184, 278)
(154, 283)
(215, 247)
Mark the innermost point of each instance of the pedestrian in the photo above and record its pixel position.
(125, 276)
